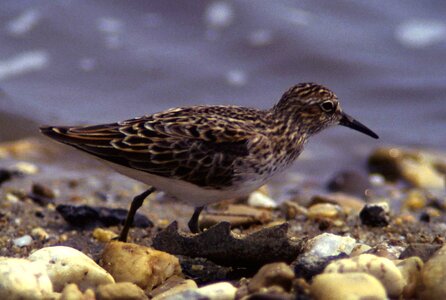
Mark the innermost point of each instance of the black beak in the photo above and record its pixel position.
(348, 121)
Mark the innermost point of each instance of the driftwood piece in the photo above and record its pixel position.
(221, 245)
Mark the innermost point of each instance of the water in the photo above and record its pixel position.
(74, 62)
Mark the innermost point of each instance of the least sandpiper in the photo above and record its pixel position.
(205, 154)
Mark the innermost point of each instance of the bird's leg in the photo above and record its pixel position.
(136, 204)
(194, 227)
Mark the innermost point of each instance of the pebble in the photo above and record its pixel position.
(172, 286)
(237, 215)
(328, 244)
(68, 265)
(348, 286)
(292, 210)
(258, 199)
(415, 200)
(39, 233)
(143, 266)
(415, 167)
(71, 292)
(218, 291)
(423, 251)
(375, 214)
(22, 279)
(275, 274)
(104, 235)
(26, 168)
(6, 175)
(349, 182)
(348, 203)
(433, 277)
(120, 290)
(381, 268)
(23, 241)
(410, 268)
(43, 191)
(324, 211)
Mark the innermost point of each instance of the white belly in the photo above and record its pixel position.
(185, 191)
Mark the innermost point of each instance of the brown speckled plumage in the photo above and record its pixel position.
(213, 147)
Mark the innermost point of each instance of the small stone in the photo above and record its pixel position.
(23, 241)
(120, 291)
(360, 249)
(292, 210)
(349, 182)
(104, 235)
(146, 267)
(415, 200)
(22, 279)
(39, 233)
(218, 291)
(71, 292)
(381, 268)
(324, 211)
(411, 270)
(258, 199)
(423, 251)
(26, 168)
(237, 215)
(351, 286)
(347, 202)
(433, 277)
(43, 191)
(415, 167)
(6, 175)
(68, 265)
(172, 286)
(275, 274)
(375, 214)
(328, 244)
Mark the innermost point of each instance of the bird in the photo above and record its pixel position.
(208, 153)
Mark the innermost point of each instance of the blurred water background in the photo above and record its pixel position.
(81, 61)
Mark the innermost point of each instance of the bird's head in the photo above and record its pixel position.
(313, 107)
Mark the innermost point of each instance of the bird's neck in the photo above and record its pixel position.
(288, 134)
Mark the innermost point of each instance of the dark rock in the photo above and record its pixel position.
(220, 245)
(375, 215)
(6, 175)
(307, 266)
(41, 194)
(278, 275)
(349, 182)
(87, 216)
(423, 251)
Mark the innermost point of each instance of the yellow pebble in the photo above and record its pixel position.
(104, 235)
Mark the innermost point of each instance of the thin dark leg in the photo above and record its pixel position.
(136, 203)
(194, 227)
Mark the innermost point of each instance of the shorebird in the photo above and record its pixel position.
(205, 154)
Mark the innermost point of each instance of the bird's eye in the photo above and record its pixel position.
(328, 106)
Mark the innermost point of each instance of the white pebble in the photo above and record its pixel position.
(23, 63)
(258, 199)
(68, 265)
(328, 244)
(22, 279)
(219, 14)
(24, 23)
(420, 33)
(26, 168)
(218, 291)
(23, 241)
